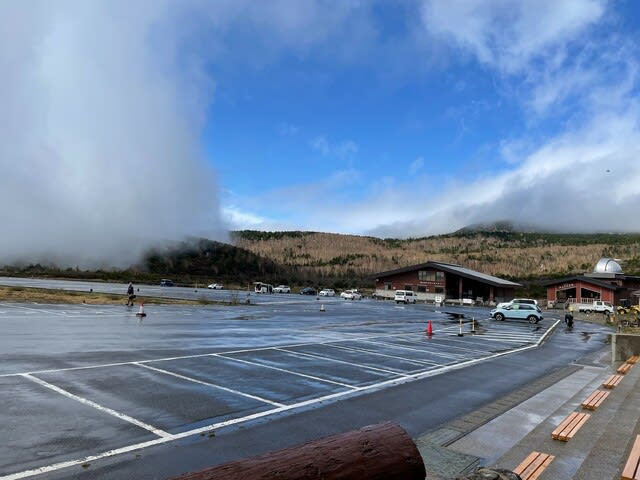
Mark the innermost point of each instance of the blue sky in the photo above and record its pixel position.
(129, 122)
(430, 100)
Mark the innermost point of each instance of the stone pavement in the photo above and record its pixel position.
(504, 432)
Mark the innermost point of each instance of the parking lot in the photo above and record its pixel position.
(80, 383)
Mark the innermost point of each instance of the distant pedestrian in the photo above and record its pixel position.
(131, 295)
(568, 319)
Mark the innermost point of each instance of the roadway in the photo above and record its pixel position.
(95, 391)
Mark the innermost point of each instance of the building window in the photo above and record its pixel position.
(408, 287)
(430, 276)
(422, 289)
(439, 290)
(387, 286)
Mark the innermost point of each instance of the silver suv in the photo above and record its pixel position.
(520, 301)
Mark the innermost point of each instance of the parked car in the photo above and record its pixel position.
(327, 292)
(166, 283)
(519, 301)
(260, 287)
(351, 295)
(404, 296)
(216, 286)
(521, 311)
(308, 291)
(281, 289)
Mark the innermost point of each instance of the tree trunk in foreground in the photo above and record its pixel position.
(376, 452)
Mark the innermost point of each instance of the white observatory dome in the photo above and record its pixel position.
(607, 265)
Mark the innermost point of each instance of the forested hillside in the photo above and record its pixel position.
(509, 254)
(341, 261)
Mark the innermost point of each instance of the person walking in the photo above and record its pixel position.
(131, 295)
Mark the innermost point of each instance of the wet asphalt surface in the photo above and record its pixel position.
(95, 392)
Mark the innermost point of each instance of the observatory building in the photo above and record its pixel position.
(607, 282)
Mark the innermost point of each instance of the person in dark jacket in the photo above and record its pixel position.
(568, 319)
(132, 295)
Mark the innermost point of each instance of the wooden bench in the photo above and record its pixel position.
(633, 359)
(594, 400)
(612, 381)
(624, 368)
(533, 466)
(569, 426)
(632, 467)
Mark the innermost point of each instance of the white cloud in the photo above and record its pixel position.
(321, 144)
(345, 150)
(99, 147)
(509, 35)
(416, 166)
(287, 129)
(240, 219)
(581, 180)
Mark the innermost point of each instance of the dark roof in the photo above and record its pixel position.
(582, 278)
(454, 269)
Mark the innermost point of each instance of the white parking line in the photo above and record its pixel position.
(290, 372)
(373, 352)
(195, 380)
(121, 416)
(359, 365)
(421, 350)
(459, 347)
(512, 338)
(38, 310)
(527, 338)
(169, 437)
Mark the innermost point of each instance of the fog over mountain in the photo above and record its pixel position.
(107, 116)
(99, 133)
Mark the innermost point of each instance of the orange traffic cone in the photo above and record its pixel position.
(141, 311)
(429, 329)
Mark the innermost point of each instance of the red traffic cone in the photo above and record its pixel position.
(429, 329)
(141, 311)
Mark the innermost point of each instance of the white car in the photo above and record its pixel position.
(404, 296)
(327, 292)
(281, 289)
(351, 295)
(216, 286)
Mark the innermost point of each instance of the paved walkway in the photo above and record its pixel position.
(505, 438)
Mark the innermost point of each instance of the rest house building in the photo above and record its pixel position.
(607, 283)
(445, 282)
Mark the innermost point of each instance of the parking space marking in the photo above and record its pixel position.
(234, 421)
(194, 380)
(121, 416)
(439, 353)
(248, 362)
(37, 310)
(501, 337)
(373, 352)
(464, 348)
(508, 338)
(321, 357)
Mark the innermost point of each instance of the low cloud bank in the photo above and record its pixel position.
(99, 137)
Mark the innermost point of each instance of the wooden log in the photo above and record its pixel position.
(377, 452)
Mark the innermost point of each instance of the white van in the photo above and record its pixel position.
(262, 287)
(404, 296)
